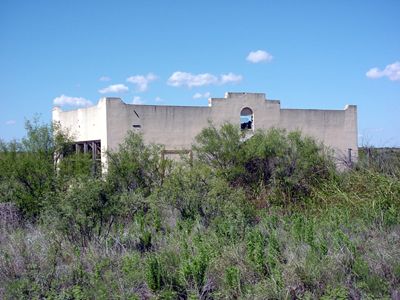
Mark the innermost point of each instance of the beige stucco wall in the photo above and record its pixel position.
(173, 126)
(337, 129)
(176, 126)
(266, 112)
(86, 124)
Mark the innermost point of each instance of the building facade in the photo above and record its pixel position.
(105, 125)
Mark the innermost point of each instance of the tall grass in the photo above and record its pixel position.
(261, 222)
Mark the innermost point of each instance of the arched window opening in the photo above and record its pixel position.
(246, 119)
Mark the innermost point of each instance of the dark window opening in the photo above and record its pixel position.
(246, 119)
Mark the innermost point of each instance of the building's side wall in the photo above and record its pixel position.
(337, 129)
(173, 126)
(85, 124)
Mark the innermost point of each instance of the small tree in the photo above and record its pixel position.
(221, 149)
(84, 210)
(197, 193)
(273, 164)
(27, 168)
(136, 165)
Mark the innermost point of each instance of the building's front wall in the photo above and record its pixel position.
(266, 112)
(173, 126)
(176, 126)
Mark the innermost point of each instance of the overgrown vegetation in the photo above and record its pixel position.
(268, 217)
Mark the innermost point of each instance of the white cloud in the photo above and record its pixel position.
(259, 56)
(114, 88)
(190, 80)
(179, 78)
(137, 100)
(391, 71)
(142, 81)
(104, 78)
(11, 122)
(71, 101)
(199, 95)
(230, 78)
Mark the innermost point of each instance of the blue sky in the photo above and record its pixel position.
(308, 54)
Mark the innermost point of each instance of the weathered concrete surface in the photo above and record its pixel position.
(86, 124)
(176, 126)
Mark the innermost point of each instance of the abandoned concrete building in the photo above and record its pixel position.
(104, 126)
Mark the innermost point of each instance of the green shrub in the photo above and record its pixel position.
(132, 268)
(83, 210)
(367, 280)
(154, 273)
(196, 192)
(195, 263)
(337, 293)
(220, 148)
(194, 269)
(28, 173)
(136, 166)
(284, 167)
(232, 280)
(381, 160)
(256, 244)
